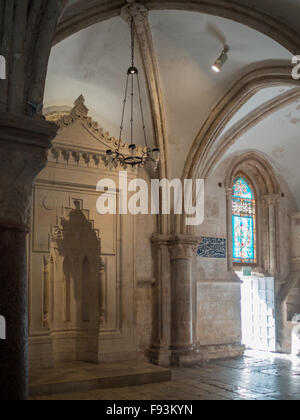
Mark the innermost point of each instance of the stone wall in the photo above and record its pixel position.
(145, 227)
(218, 314)
(144, 318)
(218, 289)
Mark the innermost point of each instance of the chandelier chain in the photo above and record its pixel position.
(115, 157)
(132, 106)
(132, 41)
(142, 110)
(123, 112)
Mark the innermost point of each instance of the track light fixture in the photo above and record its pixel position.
(221, 60)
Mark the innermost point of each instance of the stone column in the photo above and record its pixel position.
(160, 352)
(46, 281)
(229, 192)
(183, 324)
(23, 154)
(270, 203)
(102, 291)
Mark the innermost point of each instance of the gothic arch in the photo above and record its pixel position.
(249, 16)
(272, 74)
(257, 167)
(261, 175)
(248, 122)
(199, 159)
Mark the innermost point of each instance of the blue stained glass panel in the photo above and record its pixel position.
(243, 239)
(242, 190)
(243, 223)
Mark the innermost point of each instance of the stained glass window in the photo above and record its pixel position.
(243, 222)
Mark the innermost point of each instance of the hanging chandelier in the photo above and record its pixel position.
(114, 158)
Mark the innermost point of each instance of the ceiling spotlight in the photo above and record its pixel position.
(221, 60)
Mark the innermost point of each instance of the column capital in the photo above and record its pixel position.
(295, 216)
(159, 241)
(270, 200)
(228, 192)
(183, 247)
(136, 10)
(24, 144)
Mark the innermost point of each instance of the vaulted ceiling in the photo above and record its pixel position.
(183, 47)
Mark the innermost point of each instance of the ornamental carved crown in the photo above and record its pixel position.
(65, 119)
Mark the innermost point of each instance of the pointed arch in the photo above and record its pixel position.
(270, 74)
(202, 152)
(77, 18)
(244, 238)
(255, 169)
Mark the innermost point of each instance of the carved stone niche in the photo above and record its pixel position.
(73, 309)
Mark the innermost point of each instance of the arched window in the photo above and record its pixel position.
(243, 222)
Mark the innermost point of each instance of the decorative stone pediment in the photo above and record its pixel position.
(79, 131)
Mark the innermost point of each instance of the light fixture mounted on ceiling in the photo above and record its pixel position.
(221, 60)
(114, 158)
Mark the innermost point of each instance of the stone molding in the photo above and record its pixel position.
(260, 164)
(229, 192)
(259, 171)
(248, 122)
(149, 58)
(79, 112)
(146, 282)
(183, 247)
(270, 200)
(180, 246)
(227, 107)
(200, 156)
(136, 10)
(24, 143)
(295, 216)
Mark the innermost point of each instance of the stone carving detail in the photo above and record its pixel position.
(75, 292)
(212, 248)
(183, 247)
(270, 200)
(80, 113)
(138, 11)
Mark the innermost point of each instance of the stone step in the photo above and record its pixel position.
(82, 377)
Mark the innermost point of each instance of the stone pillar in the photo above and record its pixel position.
(102, 291)
(46, 281)
(23, 154)
(160, 352)
(229, 192)
(270, 202)
(183, 325)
